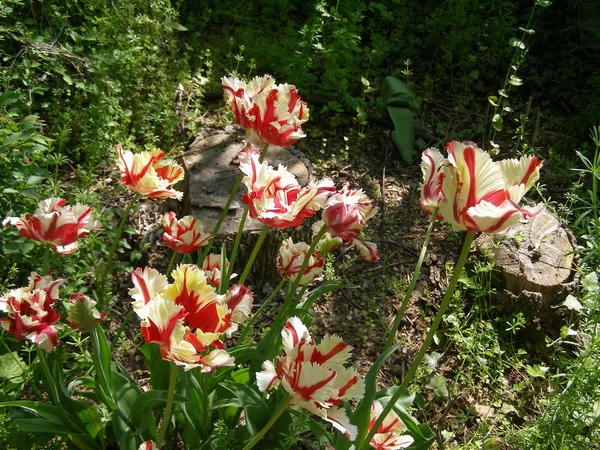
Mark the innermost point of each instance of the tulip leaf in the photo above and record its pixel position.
(404, 134)
(398, 99)
(397, 93)
(159, 368)
(322, 435)
(147, 400)
(361, 415)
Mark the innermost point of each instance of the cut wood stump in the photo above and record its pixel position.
(213, 166)
(533, 266)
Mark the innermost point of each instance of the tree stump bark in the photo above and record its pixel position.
(212, 164)
(533, 266)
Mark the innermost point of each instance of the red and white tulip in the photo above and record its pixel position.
(149, 173)
(30, 311)
(483, 195)
(212, 269)
(314, 375)
(187, 317)
(56, 224)
(432, 166)
(346, 214)
(275, 198)
(185, 235)
(290, 258)
(389, 434)
(270, 113)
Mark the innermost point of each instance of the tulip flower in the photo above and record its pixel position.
(185, 235)
(314, 375)
(346, 214)
(275, 197)
(83, 315)
(290, 258)
(389, 434)
(148, 445)
(149, 173)
(187, 317)
(30, 311)
(483, 195)
(212, 269)
(268, 112)
(56, 224)
(432, 166)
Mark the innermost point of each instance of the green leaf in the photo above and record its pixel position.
(147, 400)
(397, 93)
(515, 81)
(364, 81)
(404, 134)
(11, 367)
(159, 368)
(322, 290)
(572, 303)
(497, 122)
(45, 411)
(517, 43)
(437, 383)
(543, 3)
(361, 415)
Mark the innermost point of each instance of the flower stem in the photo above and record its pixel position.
(240, 231)
(113, 250)
(46, 261)
(169, 408)
(261, 239)
(413, 282)
(171, 262)
(252, 319)
(434, 326)
(202, 255)
(280, 410)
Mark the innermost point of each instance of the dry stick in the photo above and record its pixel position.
(413, 282)
(434, 326)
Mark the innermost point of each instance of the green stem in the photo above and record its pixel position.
(434, 326)
(238, 239)
(169, 408)
(261, 239)
(252, 319)
(202, 255)
(113, 250)
(280, 410)
(171, 261)
(46, 261)
(413, 282)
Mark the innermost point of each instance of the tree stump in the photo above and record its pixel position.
(533, 266)
(212, 164)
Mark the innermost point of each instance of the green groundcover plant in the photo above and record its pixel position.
(211, 386)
